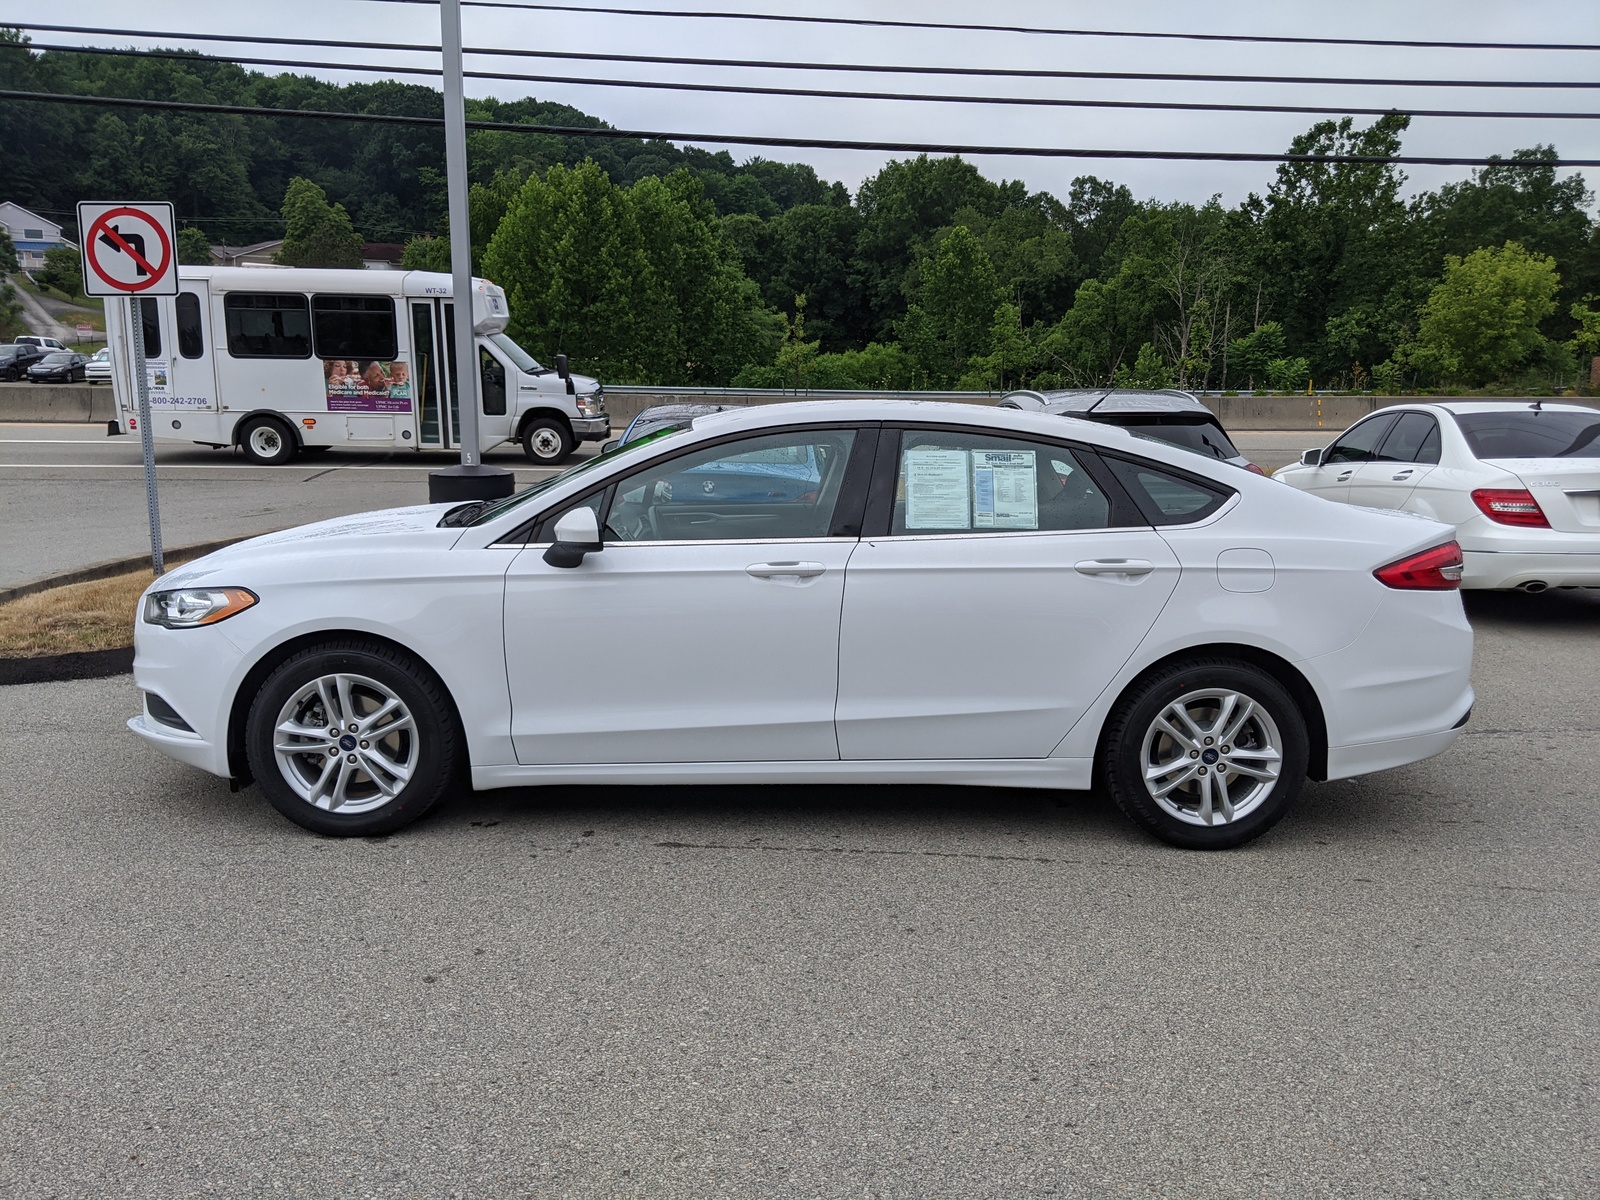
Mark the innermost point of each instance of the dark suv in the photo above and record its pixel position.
(16, 359)
(1176, 418)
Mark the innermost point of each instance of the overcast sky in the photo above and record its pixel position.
(342, 21)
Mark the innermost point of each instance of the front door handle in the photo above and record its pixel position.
(779, 570)
(1115, 566)
(1344, 477)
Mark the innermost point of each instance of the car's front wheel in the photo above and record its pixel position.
(1206, 754)
(352, 738)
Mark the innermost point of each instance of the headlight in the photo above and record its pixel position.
(188, 607)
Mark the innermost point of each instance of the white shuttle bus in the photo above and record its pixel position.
(281, 360)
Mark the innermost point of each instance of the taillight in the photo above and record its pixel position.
(1435, 570)
(1511, 506)
(1250, 466)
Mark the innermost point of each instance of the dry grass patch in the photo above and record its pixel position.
(97, 615)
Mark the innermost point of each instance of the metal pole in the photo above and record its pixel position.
(147, 439)
(471, 480)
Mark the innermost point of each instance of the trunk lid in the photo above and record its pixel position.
(1567, 489)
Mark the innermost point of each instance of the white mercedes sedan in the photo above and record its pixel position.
(833, 592)
(1519, 481)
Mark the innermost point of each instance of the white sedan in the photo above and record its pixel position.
(1519, 481)
(841, 592)
(98, 368)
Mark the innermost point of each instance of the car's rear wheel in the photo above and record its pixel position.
(352, 739)
(1206, 754)
(267, 441)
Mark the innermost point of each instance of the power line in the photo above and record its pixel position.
(878, 68)
(831, 94)
(1047, 31)
(726, 139)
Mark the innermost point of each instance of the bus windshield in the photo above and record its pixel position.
(524, 362)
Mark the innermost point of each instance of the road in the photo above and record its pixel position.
(807, 992)
(73, 496)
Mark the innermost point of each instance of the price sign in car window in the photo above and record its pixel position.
(1005, 490)
(937, 489)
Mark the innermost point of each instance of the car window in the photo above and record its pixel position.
(974, 482)
(1361, 442)
(783, 485)
(1200, 437)
(1166, 497)
(1413, 438)
(1531, 434)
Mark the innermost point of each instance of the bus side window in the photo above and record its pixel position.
(191, 342)
(267, 325)
(354, 327)
(150, 322)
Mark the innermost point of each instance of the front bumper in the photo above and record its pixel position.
(591, 429)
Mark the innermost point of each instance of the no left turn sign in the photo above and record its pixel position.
(128, 249)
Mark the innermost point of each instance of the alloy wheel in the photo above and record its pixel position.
(345, 743)
(1211, 756)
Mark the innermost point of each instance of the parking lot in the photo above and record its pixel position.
(811, 991)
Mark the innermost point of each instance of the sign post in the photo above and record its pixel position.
(128, 250)
(471, 480)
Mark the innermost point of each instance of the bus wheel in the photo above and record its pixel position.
(266, 441)
(546, 441)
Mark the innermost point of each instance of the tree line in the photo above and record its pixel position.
(645, 262)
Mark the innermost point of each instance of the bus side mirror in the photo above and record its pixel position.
(1313, 458)
(561, 366)
(577, 533)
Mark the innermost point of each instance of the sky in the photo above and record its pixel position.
(339, 22)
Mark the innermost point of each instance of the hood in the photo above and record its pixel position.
(385, 531)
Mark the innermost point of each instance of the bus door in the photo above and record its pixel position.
(433, 351)
(191, 371)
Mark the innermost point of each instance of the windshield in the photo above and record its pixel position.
(1532, 434)
(60, 356)
(1202, 439)
(520, 358)
(583, 468)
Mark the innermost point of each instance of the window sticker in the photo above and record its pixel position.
(1005, 490)
(937, 491)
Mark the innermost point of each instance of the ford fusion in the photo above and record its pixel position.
(838, 592)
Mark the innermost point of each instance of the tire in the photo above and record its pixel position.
(353, 786)
(547, 441)
(1263, 748)
(267, 441)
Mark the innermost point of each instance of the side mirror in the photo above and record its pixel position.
(561, 366)
(1313, 458)
(611, 446)
(577, 533)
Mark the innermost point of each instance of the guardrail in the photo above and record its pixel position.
(53, 403)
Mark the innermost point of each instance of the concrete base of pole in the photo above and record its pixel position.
(456, 484)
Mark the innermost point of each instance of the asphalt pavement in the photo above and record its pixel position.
(810, 992)
(73, 496)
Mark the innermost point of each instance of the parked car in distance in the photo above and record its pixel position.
(98, 368)
(660, 417)
(15, 360)
(59, 366)
(921, 594)
(42, 343)
(1174, 417)
(1519, 481)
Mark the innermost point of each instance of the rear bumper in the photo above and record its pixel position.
(1347, 761)
(1511, 569)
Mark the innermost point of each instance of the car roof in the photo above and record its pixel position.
(1100, 402)
(680, 408)
(1480, 406)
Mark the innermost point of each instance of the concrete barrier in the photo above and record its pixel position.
(1236, 412)
(56, 402)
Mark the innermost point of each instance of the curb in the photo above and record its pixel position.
(116, 566)
(56, 668)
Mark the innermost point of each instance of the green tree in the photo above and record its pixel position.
(1250, 355)
(1149, 370)
(316, 234)
(194, 247)
(62, 270)
(953, 317)
(426, 253)
(11, 323)
(1481, 323)
(8, 255)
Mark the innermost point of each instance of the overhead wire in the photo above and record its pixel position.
(973, 151)
(870, 68)
(1037, 30)
(834, 94)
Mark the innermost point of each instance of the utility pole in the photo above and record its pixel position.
(471, 480)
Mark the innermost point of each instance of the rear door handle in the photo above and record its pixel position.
(779, 570)
(1115, 566)
(1406, 474)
